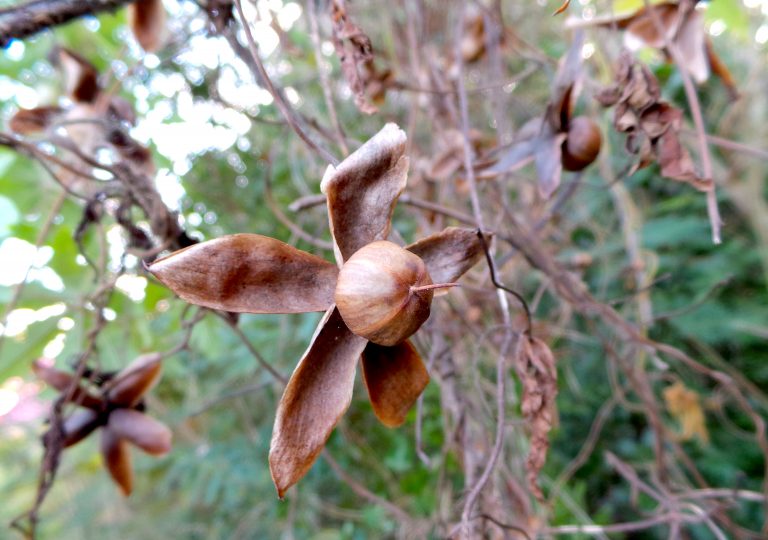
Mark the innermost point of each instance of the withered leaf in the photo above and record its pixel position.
(363, 189)
(536, 369)
(354, 49)
(249, 273)
(79, 425)
(27, 121)
(676, 163)
(684, 404)
(147, 21)
(681, 23)
(316, 397)
(135, 380)
(117, 460)
(395, 378)
(448, 254)
(150, 435)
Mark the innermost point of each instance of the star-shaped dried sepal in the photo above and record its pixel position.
(375, 298)
(117, 407)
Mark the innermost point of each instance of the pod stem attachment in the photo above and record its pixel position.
(434, 286)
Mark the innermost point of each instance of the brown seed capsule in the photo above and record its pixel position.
(582, 144)
(380, 293)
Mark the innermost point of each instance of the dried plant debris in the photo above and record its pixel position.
(685, 406)
(355, 52)
(652, 125)
(117, 407)
(556, 140)
(255, 274)
(535, 366)
(679, 23)
(93, 120)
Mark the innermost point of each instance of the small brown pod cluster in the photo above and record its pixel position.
(582, 143)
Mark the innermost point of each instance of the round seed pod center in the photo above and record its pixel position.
(384, 293)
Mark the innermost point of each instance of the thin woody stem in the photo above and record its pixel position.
(432, 286)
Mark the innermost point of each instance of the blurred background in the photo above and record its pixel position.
(640, 242)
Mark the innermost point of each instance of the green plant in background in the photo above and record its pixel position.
(659, 336)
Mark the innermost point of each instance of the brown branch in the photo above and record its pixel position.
(18, 22)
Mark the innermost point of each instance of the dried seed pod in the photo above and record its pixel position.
(582, 144)
(380, 293)
(117, 460)
(79, 425)
(135, 380)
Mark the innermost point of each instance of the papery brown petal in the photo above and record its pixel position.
(643, 31)
(27, 121)
(314, 400)
(65, 382)
(448, 254)
(117, 460)
(150, 435)
(134, 380)
(79, 425)
(692, 46)
(548, 160)
(80, 76)
(395, 378)
(363, 189)
(147, 21)
(249, 273)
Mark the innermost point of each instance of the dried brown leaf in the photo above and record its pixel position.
(249, 273)
(684, 404)
(147, 21)
(536, 368)
(135, 380)
(363, 190)
(27, 121)
(676, 163)
(79, 425)
(355, 52)
(314, 400)
(150, 435)
(448, 254)
(395, 378)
